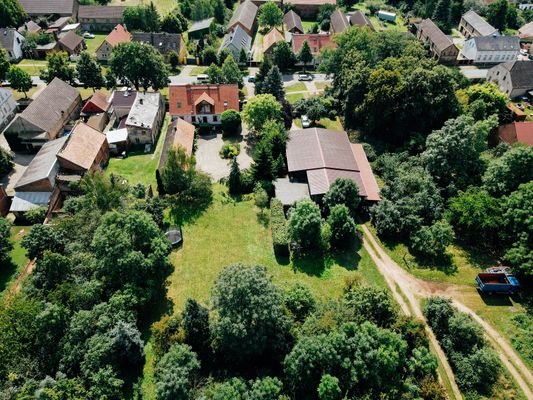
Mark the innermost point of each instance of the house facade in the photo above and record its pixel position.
(119, 34)
(472, 25)
(491, 49)
(514, 78)
(316, 41)
(11, 40)
(202, 104)
(145, 118)
(439, 46)
(8, 107)
(163, 42)
(100, 18)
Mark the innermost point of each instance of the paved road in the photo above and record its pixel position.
(403, 284)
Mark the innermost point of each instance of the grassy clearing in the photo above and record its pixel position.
(295, 87)
(308, 25)
(18, 96)
(32, 67)
(325, 123)
(139, 167)
(294, 97)
(18, 257)
(93, 44)
(163, 6)
(321, 85)
(86, 93)
(197, 71)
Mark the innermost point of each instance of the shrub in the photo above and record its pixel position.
(280, 233)
(305, 226)
(343, 228)
(6, 162)
(231, 122)
(229, 151)
(36, 215)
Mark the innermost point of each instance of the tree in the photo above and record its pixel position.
(270, 15)
(140, 64)
(305, 56)
(134, 18)
(234, 180)
(300, 301)
(431, 241)
(178, 171)
(283, 56)
(497, 14)
(264, 69)
(6, 162)
(259, 110)
(89, 71)
(263, 166)
(367, 303)
(209, 56)
(58, 67)
(243, 58)
(173, 59)
(442, 15)
(251, 323)
(201, 9)
(329, 388)
(266, 389)
(151, 18)
(19, 80)
(219, 11)
(174, 373)
(305, 225)
(487, 94)
(174, 22)
(12, 14)
(231, 72)
(343, 191)
(260, 197)
(343, 228)
(231, 122)
(215, 74)
(5, 242)
(4, 64)
(273, 84)
(196, 327)
(324, 12)
(42, 238)
(438, 311)
(478, 371)
(505, 174)
(314, 107)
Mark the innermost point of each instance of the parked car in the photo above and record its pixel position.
(88, 35)
(305, 77)
(202, 78)
(523, 52)
(251, 79)
(497, 282)
(305, 122)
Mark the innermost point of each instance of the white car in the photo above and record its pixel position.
(88, 35)
(305, 77)
(305, 122)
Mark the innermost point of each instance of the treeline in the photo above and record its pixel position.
(257, 341)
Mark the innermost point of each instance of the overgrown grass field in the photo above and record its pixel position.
(18, 257)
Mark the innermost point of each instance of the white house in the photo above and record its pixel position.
(11, 41)
(7, 107)
(491, 49)
(236, 40)
(145, 118)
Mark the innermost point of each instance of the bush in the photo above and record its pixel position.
(280, 233)
(343, 228)
(36, 215)
(231, 122)
(305, 226)
(229, 151)
(6, 163)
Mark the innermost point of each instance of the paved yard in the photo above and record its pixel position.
(21, 163)
(208, 160)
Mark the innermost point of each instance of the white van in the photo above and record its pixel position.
(202, 78)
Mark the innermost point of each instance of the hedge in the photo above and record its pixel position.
(280, 233)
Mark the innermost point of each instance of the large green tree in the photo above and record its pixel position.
(5, 241)
(4, 64)
(343, 191)
(11, 13)
(343, 228)
(506, 173)
(89, 71)
(305, 225)
(270, 15)
(19, 80)
(273, 84)
(497, 14)
(58, 67)
(174, 373)
(442, 15)
(283, 56)
(259, 110)
(305, 56)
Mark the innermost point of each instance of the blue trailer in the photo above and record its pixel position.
(497, 282)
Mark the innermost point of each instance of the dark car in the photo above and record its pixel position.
(251, 79)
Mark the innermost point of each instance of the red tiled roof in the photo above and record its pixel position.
(180, 133)
(204, 97)
(517, 132)
(316, 41)
(367, 176)
(98, 101)
(119, 34)
(82, 146)
(188, 95)
(271, 38)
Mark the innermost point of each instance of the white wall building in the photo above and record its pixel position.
(7, 107)
(492, 49)
(11, 41)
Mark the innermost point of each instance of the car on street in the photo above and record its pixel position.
(305, 122)
(88, 35)
(251, 79)
(305, 77)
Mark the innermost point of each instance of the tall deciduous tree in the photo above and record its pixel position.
(497, 14)
(140, 64)
(4, 64)
(506, 173)
(343, 228)
(178, 171)
(11, 13)
(5, 242)
(270, 15)
(89, 71)
(219, 11)
(283, 56)
(58, 67)
(442, 15)
(305, 225)
(343, 191)
(261, 109)
(231, 72)
(174, 373)
(19, 80)
(174, 22)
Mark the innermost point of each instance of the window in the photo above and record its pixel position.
(179, 104)
(215, 119)
(225, 103)
(193, 118)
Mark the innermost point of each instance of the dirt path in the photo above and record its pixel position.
(414, 289)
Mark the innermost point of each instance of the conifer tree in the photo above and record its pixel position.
(264, 69)
(442, 15)
(234, 180)
(273, 84)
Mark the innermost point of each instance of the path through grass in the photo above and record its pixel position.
(8, 273)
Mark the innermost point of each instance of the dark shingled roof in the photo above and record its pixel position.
(497, 43)
(30, 26)
(478, 23)
(7, 38)
(101, 12)
(245, 15)
(201, 25)
(162, 41)
(48, 7)
(70, 40)
(521, 73)
(339, 22)
(291, 20)
(361, 20)
(439, 39)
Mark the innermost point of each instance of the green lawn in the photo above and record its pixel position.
(32, 67)
(18, 257)
(295, 87)
(294, 97)
(139, 167)
(198, 70)
(163, 6)
(18, 96)
(321, 85)
(323, 123)
(93, 44)
(308, 25)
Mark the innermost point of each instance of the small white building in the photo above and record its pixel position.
(11, 40)
(145, 118)
(491, 49)
(8, 107)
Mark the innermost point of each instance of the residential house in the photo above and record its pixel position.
(71, 43)
(271, 39)
(35, 186)
(30, 27)
(85, 150)
(98, 103)
(386, 16)
(292, 22)
(439, 46)
(100, 18)
(8, 107)
(320, 156)
(517, 132)
(236, 40)
(472, 25)
(46, 117)
(145, 118)
(338, 21)
(202, 104)
(491, 49)
(179, 133)
(514, 78)
(40, 8)
(316, 41)
(4, 202)
(244, 16)
(163, 42)
(359, 19)
(200, 28)
(118, 141)
(525, 33)
(11, 40)
(119, 34)
(121, 102)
